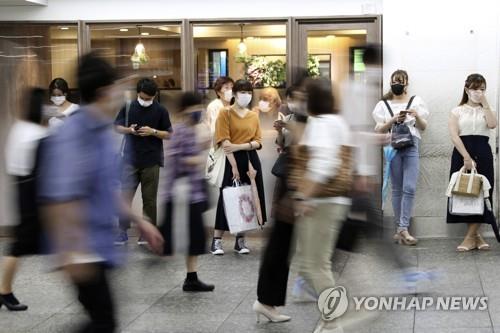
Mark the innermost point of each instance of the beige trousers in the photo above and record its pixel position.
(315, 237)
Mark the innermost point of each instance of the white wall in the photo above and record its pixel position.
(439, 43)
(174, 9)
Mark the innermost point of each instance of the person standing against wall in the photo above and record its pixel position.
(145, 124)
(412, 111)
(470, 125)
(59, 91)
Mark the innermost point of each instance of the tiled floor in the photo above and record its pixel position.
(150, 299)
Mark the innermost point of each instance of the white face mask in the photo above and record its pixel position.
(476, 95)
(228, 95)
(144, 103)
(243, 99)
(58, 100)
(264, 106)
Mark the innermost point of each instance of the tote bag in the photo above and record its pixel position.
(462, 205)
(239, 208)
(216, 165)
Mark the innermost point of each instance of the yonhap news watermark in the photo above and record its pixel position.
(334, 302)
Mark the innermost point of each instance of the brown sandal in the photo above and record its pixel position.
(469, 243)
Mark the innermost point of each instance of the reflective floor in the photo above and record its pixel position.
(149, 297)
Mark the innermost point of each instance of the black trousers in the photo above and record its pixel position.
(275, 266)
(95, 296)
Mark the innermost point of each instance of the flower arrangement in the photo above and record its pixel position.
(313, 66)
(262, 72)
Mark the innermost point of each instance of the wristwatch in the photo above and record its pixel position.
(155, 132)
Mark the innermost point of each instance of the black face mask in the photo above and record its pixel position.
(397, 89)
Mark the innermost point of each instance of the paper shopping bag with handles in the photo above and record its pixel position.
(239, 208)
(466, 205)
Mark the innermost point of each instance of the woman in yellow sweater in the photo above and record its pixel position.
(238, 131)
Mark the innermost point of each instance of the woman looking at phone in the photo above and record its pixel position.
(412, 111)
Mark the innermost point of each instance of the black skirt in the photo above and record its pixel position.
(480, 151)
(241, 158)
(28, 232)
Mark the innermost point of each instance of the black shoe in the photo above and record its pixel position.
(197, 285)
(240, 246)
(10, 301)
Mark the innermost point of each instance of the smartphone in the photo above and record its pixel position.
(137, 127)
(404, 112)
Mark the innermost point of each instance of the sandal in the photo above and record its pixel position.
(469, 243)
(404, 238)
(481, 243)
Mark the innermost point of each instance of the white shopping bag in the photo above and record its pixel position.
(464, 205)
(239, 208)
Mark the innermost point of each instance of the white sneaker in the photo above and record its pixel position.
(216, 247)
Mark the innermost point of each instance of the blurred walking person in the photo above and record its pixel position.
(23, 151)
(321, 178)
(80, 197)
(186, 180)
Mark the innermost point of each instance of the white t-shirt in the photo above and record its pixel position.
(381, 115)
(22, 143)
(471, 120)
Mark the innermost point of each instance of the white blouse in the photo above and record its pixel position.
(22, 143)
(213, 110)
(382, 116)
(471, 120)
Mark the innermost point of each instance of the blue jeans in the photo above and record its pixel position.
(404, 177)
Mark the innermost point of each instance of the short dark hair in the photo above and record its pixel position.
(320, 98)
(291, 90)
(59, 83)
(147, 86)
(222, 80)
(242, 85)
(188, 99)
(94, 73)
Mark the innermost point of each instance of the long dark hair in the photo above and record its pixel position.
(473, 81)
(34, 105)
(399, 76)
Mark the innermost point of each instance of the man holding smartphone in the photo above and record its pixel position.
(145, 124)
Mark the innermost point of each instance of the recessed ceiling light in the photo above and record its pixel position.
(330, 36)
(145, 33)
(64, 28)
(123, 29)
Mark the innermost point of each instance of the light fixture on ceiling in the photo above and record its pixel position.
(242, 48)
(64, 28)
(144, 33)
(139, 57)
(123, 29)
(330, 36)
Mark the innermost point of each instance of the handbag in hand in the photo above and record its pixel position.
(468, 184)
(401, 136)
(280, 166)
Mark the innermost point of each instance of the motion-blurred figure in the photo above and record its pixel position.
(80, 197)
(321, 179)
(23, 151)
(186, 193)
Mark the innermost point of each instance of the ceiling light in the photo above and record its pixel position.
(250, 38)
(64, 28)
(139, 57)
(123, 29)
(145, 33)
(242, 48)
(330, 36)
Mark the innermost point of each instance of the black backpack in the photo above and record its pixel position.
(400, 133)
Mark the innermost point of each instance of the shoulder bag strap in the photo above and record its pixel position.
(388, 107)
(127, 110)
(409, 102)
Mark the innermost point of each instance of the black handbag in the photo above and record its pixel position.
(401, 136)
(280, 166)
